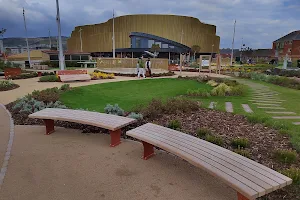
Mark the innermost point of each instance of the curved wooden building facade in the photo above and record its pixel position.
(98, 37)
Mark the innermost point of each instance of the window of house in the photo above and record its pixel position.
(53, 57)
(150, 43)
(75, 57)
(165, 46)
(67, 57)
(138, 42)
(159, 43)
(291, 42)
(171, 47)
(289, 50)
(84, 57)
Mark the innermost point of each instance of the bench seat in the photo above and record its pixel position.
(249, 178)
(75, 77)
(111, 122)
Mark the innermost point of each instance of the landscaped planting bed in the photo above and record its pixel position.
(6, 85)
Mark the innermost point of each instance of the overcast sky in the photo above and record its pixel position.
(259, 22)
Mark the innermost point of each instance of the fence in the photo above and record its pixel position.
(156, 63)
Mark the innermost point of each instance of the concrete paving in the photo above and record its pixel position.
(229, 107)
(247, 108)
(286, 117)
(287, 113)
(70, 165)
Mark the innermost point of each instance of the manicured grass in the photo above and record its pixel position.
(291, 104)
(128, 94)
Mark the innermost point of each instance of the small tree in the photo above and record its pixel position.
(155, 48)
(195, 49)
(2, 31)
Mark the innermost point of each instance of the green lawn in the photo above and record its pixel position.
(128, 94)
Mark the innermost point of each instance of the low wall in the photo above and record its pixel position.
(156, 63)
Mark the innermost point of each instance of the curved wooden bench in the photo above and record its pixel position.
(111, 122)
(249, 178)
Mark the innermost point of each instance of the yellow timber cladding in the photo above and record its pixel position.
(98, 37)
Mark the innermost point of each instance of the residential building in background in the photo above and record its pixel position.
(136, 33)
(287, 45)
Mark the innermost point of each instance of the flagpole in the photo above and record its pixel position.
(231, 60)
(28, 51)
(80, 39)
(61, 53)
(114, 45)
(50, 45)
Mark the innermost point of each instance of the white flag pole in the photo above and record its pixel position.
(61, 53)
(231, 60)
(113, 38)
(28, 50)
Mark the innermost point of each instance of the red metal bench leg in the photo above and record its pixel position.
(115, 138)
(148, 150)
(49, 126)
(242, 197)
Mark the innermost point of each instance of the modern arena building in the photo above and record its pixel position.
(135, 34)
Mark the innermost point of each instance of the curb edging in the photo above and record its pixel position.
(9, 146)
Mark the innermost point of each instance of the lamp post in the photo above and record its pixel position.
(113, 37)
(50, 45)
(61, 54)
(28, 51)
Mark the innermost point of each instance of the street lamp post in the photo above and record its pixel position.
(28, 51)
(80, 30)
(61, 54)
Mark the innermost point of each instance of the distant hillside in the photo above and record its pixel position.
(33, 42)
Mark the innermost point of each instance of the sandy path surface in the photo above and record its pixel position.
(4, 133)
(73, 166)
(31, 84)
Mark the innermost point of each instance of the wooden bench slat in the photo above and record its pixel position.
(228, 155)
(279, 178)
(202, 157)
(229, 179)
(268, 184)
(110, 122)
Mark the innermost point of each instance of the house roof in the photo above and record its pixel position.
(295, 35)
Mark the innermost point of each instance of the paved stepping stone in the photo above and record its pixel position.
(272, 108)
(212, 105)
(266, 101)
(287, 113)
(266, 104)
(229, 107)
(296, 123)
(286, 117)
(247, 108)
(262, 95)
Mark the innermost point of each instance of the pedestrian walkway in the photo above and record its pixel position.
(6, 141)
(270, 101)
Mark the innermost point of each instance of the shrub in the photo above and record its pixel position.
(242, 152)
(212, 83)
(137, 116)
(240, 143)
(174, 124)
(171, 106)
(50, 78)
(30, 105)
(65, 87)
(221, 90)
(101, 75)
(202, 132)
(255, 119)
(47, 95)
(25, 76)
(199, 93)
(7, 85)
(293, 173)
(285, 156)
(214, 139)
(238, 90)
(114, 110)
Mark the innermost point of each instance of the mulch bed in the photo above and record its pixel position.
(14, 86)
(263, 140)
